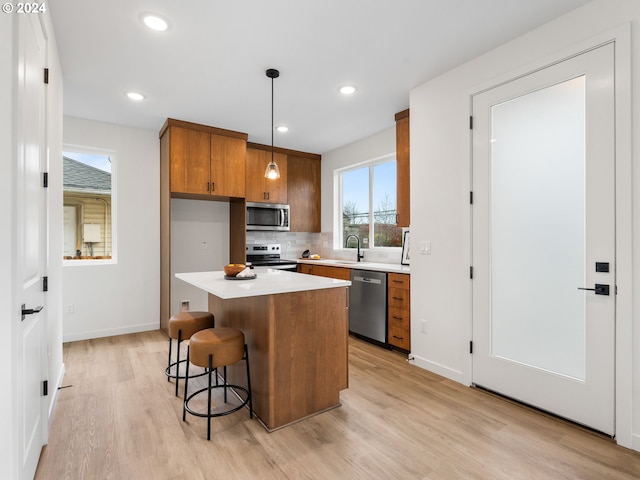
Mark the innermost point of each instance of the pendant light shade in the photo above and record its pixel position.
(272, 171)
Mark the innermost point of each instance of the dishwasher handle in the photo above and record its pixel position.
(374, 281)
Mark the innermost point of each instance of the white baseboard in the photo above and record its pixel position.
(635, 442)
(441, 370)
(110, 332)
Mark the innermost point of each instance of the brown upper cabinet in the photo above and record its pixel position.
(205, 160)
(303, 192)
(402, 168)
(258, 188)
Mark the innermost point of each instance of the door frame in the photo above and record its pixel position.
(621, 37)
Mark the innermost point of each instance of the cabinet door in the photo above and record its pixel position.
(332, 272)
(228, 166)
(402, 168)
(260, 189)
(189, 160)
(304, 268)
(303, 193)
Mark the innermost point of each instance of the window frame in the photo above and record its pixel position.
(112, 154)
(338, 240)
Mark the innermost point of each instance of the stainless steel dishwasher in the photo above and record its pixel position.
(368, 305)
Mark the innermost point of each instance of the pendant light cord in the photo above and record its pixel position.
(272, 156)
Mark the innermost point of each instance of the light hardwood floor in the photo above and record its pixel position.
(119, 419)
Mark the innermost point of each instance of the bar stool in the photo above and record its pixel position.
(181, 327)
(213, 348)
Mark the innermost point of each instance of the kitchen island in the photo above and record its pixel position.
(296, 328)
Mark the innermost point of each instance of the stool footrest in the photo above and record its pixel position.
(244, 401)
(167, 371)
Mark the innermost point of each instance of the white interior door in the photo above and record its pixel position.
(543, 227)
(31, 247)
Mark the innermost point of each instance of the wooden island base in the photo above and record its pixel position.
(297, 346)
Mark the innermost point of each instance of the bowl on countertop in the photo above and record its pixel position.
(232, 269)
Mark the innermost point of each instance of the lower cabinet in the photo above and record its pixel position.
(399, 311)
(398, 301)
(340, 273)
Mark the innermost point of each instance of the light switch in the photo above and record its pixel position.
(425, 247)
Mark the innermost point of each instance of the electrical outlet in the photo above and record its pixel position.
(204, 245)
(70, 308)
(289, 244)
(184, 305)
(423, 326)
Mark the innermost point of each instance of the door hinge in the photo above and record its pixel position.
(471, 198)
(45, 179)
(46, 76)
(45, 388)
(45, 284)
(471, 346)
(470, 122)
(471, 272)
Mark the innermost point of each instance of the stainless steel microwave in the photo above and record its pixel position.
(267, 216)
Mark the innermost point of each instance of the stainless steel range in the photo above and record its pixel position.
(268, 255)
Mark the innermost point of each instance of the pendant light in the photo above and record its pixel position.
(272, 171)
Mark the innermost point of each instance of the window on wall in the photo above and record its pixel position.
(368, 205)
(88, 205)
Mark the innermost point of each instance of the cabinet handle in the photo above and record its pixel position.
(397, 281)
(397, 318)
(398, 298)
(213, 186)
(208, 187)
(399, 338)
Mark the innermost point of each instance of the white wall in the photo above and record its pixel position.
(194, 222)
(440, 211)
(124, 297)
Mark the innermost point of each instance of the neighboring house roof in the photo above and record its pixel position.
(80, 177)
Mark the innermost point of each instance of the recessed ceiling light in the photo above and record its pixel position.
(282, 128)
(155, 23)
(348, 90)
(135, 96)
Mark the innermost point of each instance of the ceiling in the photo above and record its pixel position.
(209, 66)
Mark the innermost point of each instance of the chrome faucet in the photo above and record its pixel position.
(346, 241)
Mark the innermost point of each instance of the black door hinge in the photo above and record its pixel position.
(45, 388)
(45, 179)
(46, 76)
(471, 198)
(45, 284)
(470, 122)
(470, 272)
(471, 346)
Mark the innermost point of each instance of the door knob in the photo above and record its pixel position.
(29, 311)
(600, 289)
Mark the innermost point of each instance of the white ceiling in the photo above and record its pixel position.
(209, 66)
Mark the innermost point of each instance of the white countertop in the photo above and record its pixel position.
(267, 282)
(379, 267)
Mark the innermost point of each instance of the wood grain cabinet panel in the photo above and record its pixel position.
(227, 177)
(341, 273)
(303, 193)
(399, 310)
(260, 189)
(402, 168)
(189, 161)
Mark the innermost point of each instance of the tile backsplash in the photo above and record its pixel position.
(293, 244)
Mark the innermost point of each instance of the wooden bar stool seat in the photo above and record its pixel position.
(214, 348)
(182, 326)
